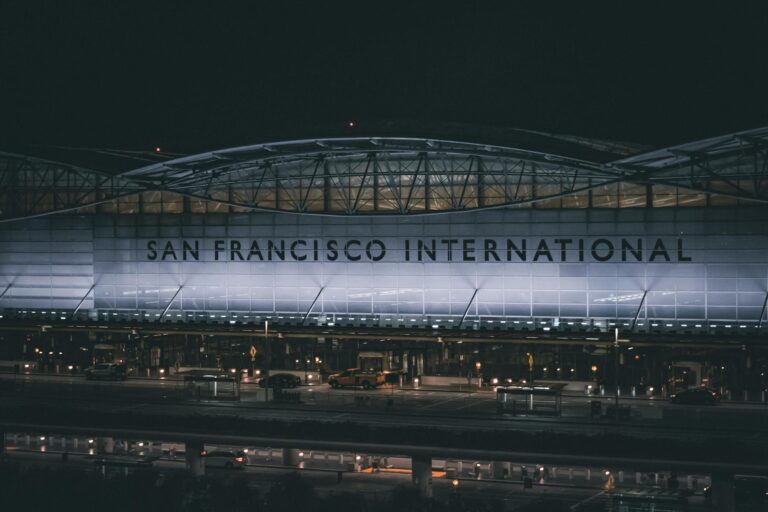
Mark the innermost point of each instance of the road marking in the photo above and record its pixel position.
(575, 506)
(443, 402)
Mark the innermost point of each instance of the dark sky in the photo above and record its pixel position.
(193, 76)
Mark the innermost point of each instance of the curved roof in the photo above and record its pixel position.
(391, 175)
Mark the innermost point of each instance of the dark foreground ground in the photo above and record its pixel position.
(47, 489)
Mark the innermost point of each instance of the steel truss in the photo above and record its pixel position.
(390, 176)
(31, 187)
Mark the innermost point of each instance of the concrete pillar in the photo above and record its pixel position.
(63, 442)
(497, 470)
(421, 474)
(638, 478)
(290, 457)
(723, 493)
(193, 456)
(105, 445)
(621, 477)
(570, 473)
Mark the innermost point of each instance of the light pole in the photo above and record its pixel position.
(616, 367)
(267, 356)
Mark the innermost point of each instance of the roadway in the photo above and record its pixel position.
(652, 417)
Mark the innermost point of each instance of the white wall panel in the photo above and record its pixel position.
(55, 260)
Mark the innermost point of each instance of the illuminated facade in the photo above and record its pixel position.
(391, 232)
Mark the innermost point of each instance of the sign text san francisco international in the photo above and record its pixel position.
(545, 250)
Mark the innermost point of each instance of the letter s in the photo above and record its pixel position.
(152, 250)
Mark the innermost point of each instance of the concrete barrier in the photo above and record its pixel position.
(436, 380)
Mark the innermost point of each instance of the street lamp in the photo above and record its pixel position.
(616, 367)
(267, 359)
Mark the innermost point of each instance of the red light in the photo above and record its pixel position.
(157, 149)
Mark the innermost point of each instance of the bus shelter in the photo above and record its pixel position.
(212, 387)
(544, 400)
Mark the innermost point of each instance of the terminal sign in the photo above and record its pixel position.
(535, 250)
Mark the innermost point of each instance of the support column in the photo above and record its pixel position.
(290, 457)
(105, 445)
(497, 470)
(723, 492)
(193, 455)
(421, 474)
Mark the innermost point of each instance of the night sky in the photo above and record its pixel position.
(190, 76)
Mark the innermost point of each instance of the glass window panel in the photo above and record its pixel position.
(577, 200)
(128, 205)
(172, 203)
(108, 207)
(664, 196)
(631, 195)
(605, 196)
(602, 310)
(151, 202)
(216, 207)
(573, 310)
(691, 198)
(546, 310)
(546, 190)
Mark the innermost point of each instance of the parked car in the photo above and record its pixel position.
(111, 371)
(227, 459)
(697, 396)
(280, 380)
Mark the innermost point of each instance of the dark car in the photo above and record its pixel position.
(111, 371)
(280, 380)
(698, 396)
(227, 459)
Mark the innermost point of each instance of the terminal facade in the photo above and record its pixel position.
(518, 261)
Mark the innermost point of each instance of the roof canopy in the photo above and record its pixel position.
(389, 175)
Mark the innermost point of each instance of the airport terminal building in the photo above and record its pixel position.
(433, 256)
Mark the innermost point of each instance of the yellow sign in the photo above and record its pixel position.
(253, 352)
